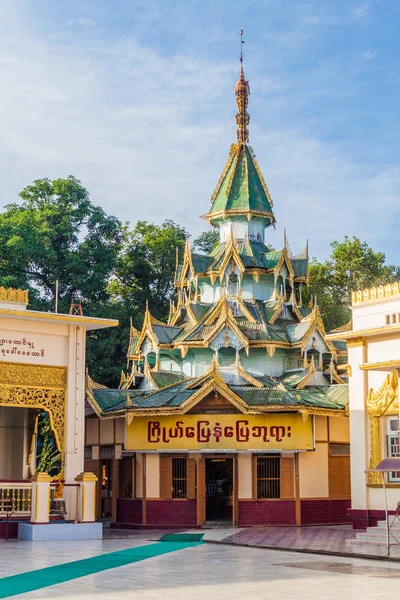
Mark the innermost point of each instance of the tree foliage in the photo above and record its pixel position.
(146, 267)
(352, 265)
(48, 457)
(144, 272)
(207, 241)
(56, 233)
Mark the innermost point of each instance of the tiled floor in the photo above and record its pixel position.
(328, 539)
(206, 571)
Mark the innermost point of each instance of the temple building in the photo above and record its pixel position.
(373, 340)
(42, 375)
(236, 408)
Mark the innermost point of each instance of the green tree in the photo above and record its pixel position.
(352, 265)
(146, 266)
(207, 241)
(48, 458)
(56, 233)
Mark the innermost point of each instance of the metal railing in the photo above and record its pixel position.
(15, 497)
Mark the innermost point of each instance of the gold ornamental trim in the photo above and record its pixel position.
(32, 375)
(386, 365)
(36, 386)
(13, 295)
(381, 403)
(376, 294)
(223, 214)
(48, 399)
(355, 342)
(69, 319)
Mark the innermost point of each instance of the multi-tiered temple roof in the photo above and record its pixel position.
(238, 324)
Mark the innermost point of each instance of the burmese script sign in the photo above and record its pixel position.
(13, 345)
(221, 432)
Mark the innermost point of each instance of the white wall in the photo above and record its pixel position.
(25, 341)
(373, 314)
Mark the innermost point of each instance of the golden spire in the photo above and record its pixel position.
(242, 92)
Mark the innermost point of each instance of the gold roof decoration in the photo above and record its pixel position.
(13, 295)
(242, 93)
(347, 327)
(376, 294)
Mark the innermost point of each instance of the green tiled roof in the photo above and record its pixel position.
(201, 262)
(293, 378)
(304, 311)
(199, 309)
(274, 396)
(270, 307)
(274, 393)
(241, 188)
(252, 252)
(272, 258)
(172, 396)
(300, 267)
(298, 331)
(116, 399)
(165, 333)
(164, 378)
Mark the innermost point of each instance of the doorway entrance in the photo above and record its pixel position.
(219, 490)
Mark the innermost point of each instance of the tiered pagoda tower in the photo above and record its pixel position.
(240, 308)
(224, 390)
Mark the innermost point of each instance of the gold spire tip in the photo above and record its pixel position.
(242, 92)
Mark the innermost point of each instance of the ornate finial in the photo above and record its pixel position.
(242, 92)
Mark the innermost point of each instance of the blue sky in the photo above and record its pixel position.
(135, 98)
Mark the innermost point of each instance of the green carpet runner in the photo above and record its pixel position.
(36, 580)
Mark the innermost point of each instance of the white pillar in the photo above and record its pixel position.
(40, 510)
(74, 416)
(86, 497)
(359, 426)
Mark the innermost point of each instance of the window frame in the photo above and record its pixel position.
(389, 436)
(175, 479)
(258, 480)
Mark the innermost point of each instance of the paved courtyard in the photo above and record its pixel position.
(195, 572)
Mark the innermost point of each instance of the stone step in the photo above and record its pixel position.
(391, 519)
(372, 549)
(375, 538)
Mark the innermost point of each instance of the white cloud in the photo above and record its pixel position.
(369, 55)
(149, 134)
(362, 11)
(84, 22)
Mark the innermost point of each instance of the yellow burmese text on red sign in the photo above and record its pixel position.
(221, 432)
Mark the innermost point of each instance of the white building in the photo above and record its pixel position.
(42, 369)
(373, 342)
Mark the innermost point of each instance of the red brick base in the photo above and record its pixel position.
(362, 519)
(159, 513)
(267, 512)
(12, 529)
(324, 512)
(183, 513)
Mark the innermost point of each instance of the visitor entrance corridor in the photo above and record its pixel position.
(219, 490)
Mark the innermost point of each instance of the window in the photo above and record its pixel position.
(393, 446)
(88, 452)
(268, 477)
(179, 478)
(125, 478)
(392, 319)
(233, 284)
